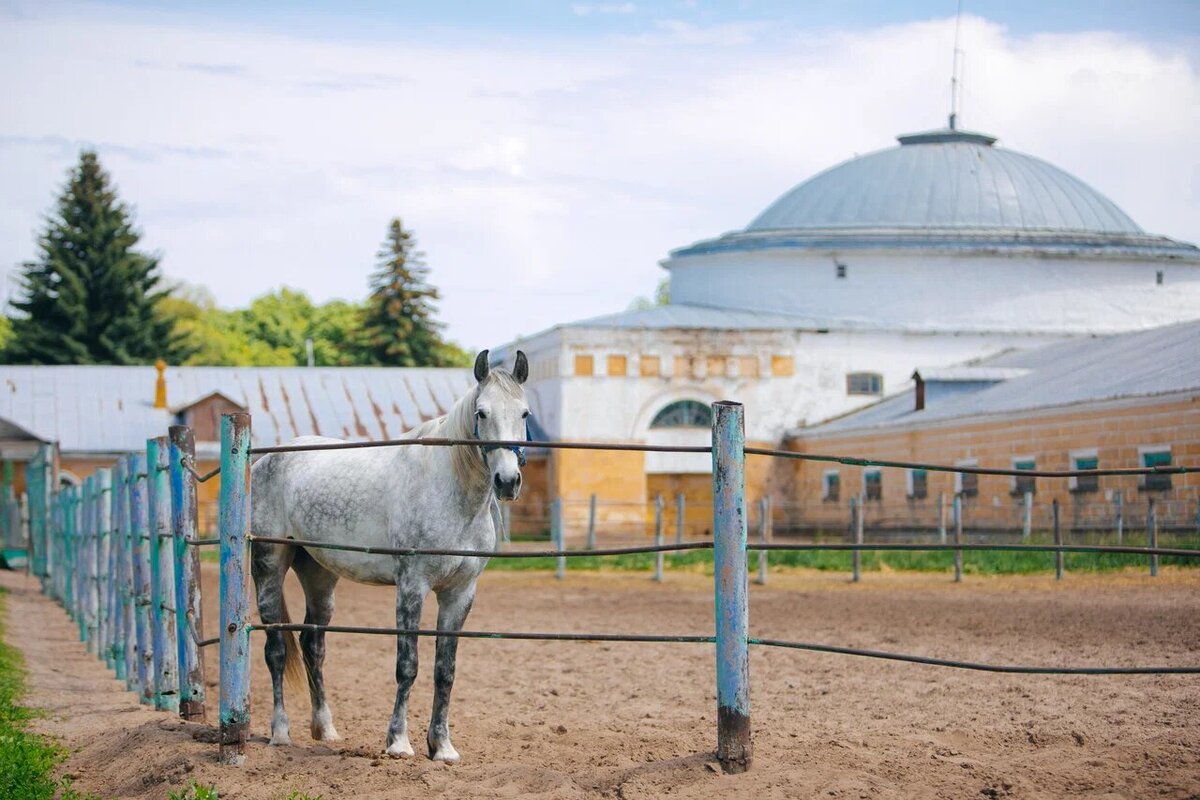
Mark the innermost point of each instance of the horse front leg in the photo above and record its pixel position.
(410, 596)
(453, 607)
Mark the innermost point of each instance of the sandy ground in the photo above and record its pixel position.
(629, 720)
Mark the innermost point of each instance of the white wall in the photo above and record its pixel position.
(941, 293)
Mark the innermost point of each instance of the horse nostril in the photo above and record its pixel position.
(497, 482)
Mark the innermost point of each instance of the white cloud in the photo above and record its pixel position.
(587, 9)
(543, 178)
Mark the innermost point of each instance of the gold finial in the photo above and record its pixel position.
(160, 386)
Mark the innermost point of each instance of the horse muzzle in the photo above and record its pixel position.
(507, 487)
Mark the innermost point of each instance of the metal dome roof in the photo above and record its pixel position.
(946, 179)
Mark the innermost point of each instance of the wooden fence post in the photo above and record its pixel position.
(1152, 536)
(234, 691)
(140, 541)
(730, 579)
(658, 537)
(162, 571)
(184, 527)
(958, 537)
(1058, 555)
(591, 532)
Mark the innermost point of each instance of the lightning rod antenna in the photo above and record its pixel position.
(954, 70)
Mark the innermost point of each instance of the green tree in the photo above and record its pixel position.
(90, 297)
(662, 297)
(399, 329)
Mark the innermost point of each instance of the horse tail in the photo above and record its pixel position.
(294, 674)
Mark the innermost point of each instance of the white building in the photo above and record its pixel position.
(941, 250)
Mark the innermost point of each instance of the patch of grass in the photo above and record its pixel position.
(975, 562)
(194, 791)
(27, 760)
(299, 795)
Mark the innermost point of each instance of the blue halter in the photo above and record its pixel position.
(519, 451)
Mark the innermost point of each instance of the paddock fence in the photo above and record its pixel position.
(121, 554)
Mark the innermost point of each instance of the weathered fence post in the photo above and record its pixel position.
(658, 537)
(235, 599)
(162, 571)
(942, 517)
(557, 539)
(860, 514)
(184, 527)
(1119, 510)
(37, 502)
(1027, 517)
(70, 531)
(104, 570)
(680, 516)
(764, 527)
(591, 532)
(1058, 554)
(120, 562)
(140, 539)
(88, 577)
(1152, 536)
(730, 579)
(957, 510)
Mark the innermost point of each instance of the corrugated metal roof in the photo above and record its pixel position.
(955, 180)
(110, 409)
(1142, 364)
(679, 315)
(969, 373)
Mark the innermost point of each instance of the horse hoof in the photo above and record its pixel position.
(400, 749)
(281, 740)
(328, 734)
(446, 754)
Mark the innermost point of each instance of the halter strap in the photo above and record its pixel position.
(484, 449)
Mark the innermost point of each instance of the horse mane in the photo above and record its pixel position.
(467, 462)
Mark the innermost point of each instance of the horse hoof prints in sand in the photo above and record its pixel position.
(418, 497)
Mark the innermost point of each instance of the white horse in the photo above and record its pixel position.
(406, 496)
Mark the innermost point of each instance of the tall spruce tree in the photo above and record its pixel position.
(90, 298)
(399, 329)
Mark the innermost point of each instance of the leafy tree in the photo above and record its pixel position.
(90, 297)
(662, 297)
(399, 329)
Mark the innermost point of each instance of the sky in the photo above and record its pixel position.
(548, 155)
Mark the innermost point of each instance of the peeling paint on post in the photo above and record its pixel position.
(140, 595)
(104, 566)
(184, 526)
(235, 600)
(730, 580)
(162, 571)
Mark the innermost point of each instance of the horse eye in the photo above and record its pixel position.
(481, 414)
(525, 415)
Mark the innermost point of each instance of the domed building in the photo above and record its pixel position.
(939, 251)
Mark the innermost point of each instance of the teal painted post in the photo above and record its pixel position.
(139, 540)
(38, 506)
(184, 527)
(6, 501)
(129, 596)
(556, 534)
(118, 561)
(234, 692)
(658, 537)
(69, 532)
(162, 576)
(1058, 555)
(105, 576)
(731, 579)
(1152, 536)
(85, 543)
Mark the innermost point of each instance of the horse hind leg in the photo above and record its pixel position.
(268, 564)
(453, 607)
(318, 584)
(410, 597)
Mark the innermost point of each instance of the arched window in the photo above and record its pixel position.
(683, 414)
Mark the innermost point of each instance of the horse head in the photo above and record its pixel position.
(501, 414)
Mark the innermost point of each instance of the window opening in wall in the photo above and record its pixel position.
(873, 484)
(831, 486)
(1022, 485)
(918, 484)
(1085, 483)
(650, 366)
(1155, 458)
(584, 365)
(840, 269)
(966, 483)
(616, 366)
(864, 383)
(683, 414)
(1158, 278)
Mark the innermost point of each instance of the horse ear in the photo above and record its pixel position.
(521, 368)
(481, 365)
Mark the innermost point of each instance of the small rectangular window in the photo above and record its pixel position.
(1082, 460)
(617, 366)
(1020, 484)
(918, 484)
(864, 383)
(782, 366)
(683, 367)
(1155, 457)
(585, 365)
(747, 366)
(873, 484)
(830, 485)
(840, 269)
(649, 366)
(715, 366)
(966, 483)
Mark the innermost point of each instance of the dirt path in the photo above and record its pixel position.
(613, 720)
